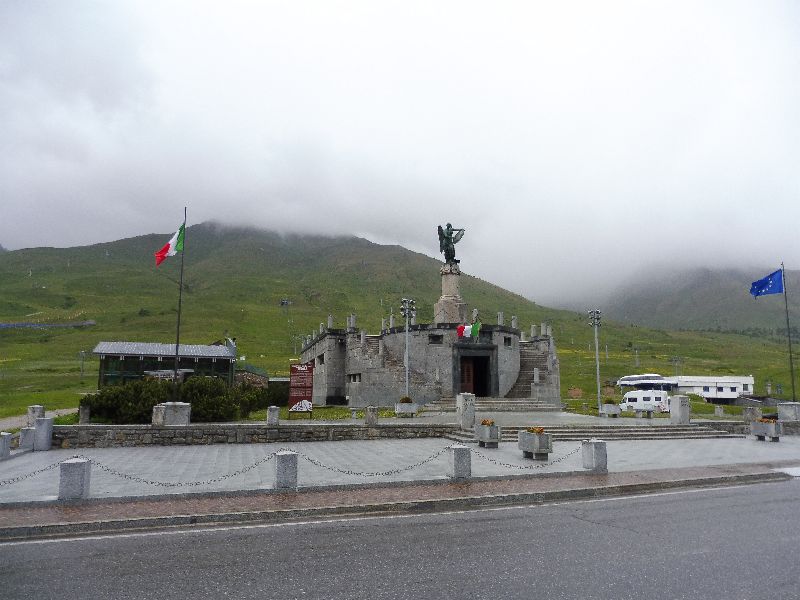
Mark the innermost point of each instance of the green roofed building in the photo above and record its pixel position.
(129, 361)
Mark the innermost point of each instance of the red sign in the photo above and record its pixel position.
(301, 387)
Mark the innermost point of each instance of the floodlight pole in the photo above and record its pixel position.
(594, 321)
(408, 310)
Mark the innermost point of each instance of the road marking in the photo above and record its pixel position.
(185, 529)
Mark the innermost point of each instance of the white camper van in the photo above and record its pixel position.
(657, 400)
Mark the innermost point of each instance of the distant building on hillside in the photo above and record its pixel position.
(130, 361)
(722, 389)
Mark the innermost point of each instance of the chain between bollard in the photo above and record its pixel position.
(112, 471)
(29, 475)
(317, 463)
(526, 467)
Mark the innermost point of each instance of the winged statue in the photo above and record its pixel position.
(448, 238)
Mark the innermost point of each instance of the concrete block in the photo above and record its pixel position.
(43, 434)
(172, 413)
(5, 445)
(75, 477)
(273, 414)
(286, 470)
(595, 455)
(34, 412)
(751, 413)
(371, 416)
(459, 465)
(535, 374)
(719, 411)
(679, 410)
(500, 318)
(26, 438)
(789, 411)
(465, 410)
(84, 415)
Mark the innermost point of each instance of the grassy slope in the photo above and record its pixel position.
(234, 281)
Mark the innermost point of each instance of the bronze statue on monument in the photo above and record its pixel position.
(448, 238)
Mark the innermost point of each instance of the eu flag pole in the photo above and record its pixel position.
(775, 283)
(178, 328)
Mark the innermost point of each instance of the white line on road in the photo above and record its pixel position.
(187, 529)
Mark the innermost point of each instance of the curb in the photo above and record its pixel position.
(31, 532)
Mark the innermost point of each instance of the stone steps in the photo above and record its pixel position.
(497, 405)
(509, 433)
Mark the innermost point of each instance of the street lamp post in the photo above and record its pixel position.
(594, 321)
(409, 311)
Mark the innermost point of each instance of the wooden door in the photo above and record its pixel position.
(467, 376)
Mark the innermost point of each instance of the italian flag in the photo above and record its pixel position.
(173, 246)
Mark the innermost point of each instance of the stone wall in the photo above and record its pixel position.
(115, 436)
(742, 428)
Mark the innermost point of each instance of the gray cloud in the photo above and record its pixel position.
(576, 141)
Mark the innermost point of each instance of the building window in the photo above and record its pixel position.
(706, 388)
(746, 387)
(321, 359)
(354, 378)
(720, 389)
(733, 389)
(507, 342)
(435, 338)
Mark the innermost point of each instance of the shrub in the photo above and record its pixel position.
(488, 422)
(130, 403)
(610, 401)
(211, 400)
(406, 400)
(536, 430)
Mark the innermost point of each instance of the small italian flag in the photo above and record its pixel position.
(173, 246)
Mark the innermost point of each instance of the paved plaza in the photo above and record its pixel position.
(148, 471)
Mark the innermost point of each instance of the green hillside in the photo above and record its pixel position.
(234, 282)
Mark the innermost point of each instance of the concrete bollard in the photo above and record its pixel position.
(751, 413)
(84, 415)
(719, 411)
(679, 410)
(595, 455)
(273, 414)
(286, 470)
(43, 434)
(35, 412)
(536, 375)
(371, 416)
(465, 411)
(172, 413)
(26, 438)
(5, 445)
(74, 481)
(460, 464)
(788, 411)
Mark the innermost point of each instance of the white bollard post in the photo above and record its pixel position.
(679, 410)
(43, 434)
(5, 445)
(34, 412)
(465, 411)
(595, 455)
(26, 438)
(371, 416)
(286, 470)
(73, 483)
(84, 415)
(460, 464)
(273, 414)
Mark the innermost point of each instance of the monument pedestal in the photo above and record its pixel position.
(451, 307)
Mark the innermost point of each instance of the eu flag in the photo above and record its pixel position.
(771, 284)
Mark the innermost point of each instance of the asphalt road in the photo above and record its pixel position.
(732, 543)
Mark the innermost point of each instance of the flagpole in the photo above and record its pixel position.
(788, 332)
(178, 328)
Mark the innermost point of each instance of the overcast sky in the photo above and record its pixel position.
(575, 141)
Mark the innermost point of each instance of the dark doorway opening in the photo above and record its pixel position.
(475, 375)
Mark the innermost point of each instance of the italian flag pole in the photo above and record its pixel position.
(171, 248)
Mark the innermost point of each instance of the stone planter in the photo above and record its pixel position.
(612, 411)
(408, 409)
(762, 431)
(488, 436)
(535, 445)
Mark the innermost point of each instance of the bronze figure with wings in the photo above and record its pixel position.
(448, 238)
